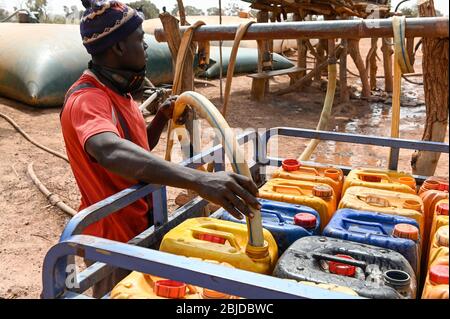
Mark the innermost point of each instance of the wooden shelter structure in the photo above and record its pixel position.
(278, 10)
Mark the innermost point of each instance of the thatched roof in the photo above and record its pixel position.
(321, 7)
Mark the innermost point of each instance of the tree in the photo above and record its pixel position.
(410, 11)
(233, 9)
(39, 6)
(149, 10)
(214, 11)
(435, 79)
(72, 14)
(190, 11)
(57, 19)
(3, 14)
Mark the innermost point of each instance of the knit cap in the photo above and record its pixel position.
(105, 23)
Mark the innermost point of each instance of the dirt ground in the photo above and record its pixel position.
(29, 226)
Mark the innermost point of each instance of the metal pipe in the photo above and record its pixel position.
(434, 27)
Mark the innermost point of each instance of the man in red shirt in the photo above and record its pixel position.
(107, 140)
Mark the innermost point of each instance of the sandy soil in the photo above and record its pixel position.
(29, 226)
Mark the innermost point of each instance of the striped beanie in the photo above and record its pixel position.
(105, 23)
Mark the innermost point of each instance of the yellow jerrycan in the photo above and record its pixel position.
(439, 245)
(223, 241)
(143, 286)
(384, 201)
(380, 179)
(436, 284)
(293, 169)
(440, 217)
(320, 197)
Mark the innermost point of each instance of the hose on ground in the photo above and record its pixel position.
(29, 139)
(52, 198)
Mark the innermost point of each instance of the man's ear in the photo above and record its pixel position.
(119, 48)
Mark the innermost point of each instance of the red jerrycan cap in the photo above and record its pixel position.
(406, 231)
(212, 238)
(442, 209)
(443, 187)
(439, 274)
(340, 268)
(322, 191)
(290, 164)
(305, 220)
(170, 289)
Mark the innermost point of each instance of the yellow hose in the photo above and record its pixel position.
(326, 111)
(242, 30)
(402, 65)
(208, 111)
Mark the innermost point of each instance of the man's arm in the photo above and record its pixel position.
(155, 129)
(159, 122)
(231, 191)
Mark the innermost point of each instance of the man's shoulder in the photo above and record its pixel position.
(84, 92)
(87, 83)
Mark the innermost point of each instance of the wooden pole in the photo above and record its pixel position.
(353, 47)
(182, 12)
(334, 29)
(261, 86)
(387, 64)
(308, 77)
(320, 58)
(372, 63)
(220, 56)
(302, 50)
(171, 26)
(410, 49)
(435, 77)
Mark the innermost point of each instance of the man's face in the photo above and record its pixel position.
(134, 51)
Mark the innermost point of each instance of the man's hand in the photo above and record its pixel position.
(233, 192)
(167, 110)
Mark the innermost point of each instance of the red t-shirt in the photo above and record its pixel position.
(88, 112)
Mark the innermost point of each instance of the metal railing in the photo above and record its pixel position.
(140, 254)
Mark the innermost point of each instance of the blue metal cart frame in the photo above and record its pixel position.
(60, 279)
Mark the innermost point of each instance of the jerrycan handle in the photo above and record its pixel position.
(206, 231)
(310, 169)
(380, 175)
(272, 212)
(370, 224)
(287, 189)
(351, 262)
(373, 200)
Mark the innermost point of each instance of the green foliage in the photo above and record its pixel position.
(214, 11)
(233, 9)
(410, 11)
(190, 11)
(3, 14)
(57, 19)
(39, 6)
(148, 8)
